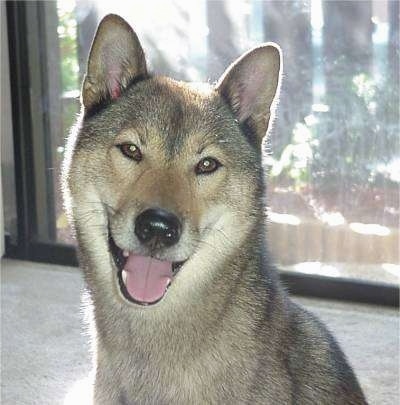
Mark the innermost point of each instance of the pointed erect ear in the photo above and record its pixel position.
(115, 60)
(249, 86)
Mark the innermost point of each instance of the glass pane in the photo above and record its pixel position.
(71, 75)
(334, 169)
(6, 147)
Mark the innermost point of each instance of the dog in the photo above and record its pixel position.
(164, 189)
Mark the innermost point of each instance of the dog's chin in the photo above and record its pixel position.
(148, 288)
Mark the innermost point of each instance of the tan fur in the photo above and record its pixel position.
(225, 331)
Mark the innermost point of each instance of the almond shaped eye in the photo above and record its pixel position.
(131, 151)
(207, 165)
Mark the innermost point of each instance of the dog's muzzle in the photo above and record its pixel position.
(142, 280)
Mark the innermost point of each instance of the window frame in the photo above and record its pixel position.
(28, 247)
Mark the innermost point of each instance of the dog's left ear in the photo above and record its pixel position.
(250, 85)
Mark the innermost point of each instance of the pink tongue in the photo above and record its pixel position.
(147, 278)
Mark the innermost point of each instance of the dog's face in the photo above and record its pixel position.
(163, 180)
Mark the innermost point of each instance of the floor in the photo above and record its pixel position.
(45, 355)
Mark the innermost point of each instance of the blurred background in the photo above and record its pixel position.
(332, 158)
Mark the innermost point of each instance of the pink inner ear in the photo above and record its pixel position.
(250, 92)
(115, 92)
(113, 83)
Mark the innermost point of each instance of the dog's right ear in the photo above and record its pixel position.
(116, 59)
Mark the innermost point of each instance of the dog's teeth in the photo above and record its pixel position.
(125, 253)
(124, 276)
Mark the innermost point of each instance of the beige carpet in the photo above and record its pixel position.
(45, 352)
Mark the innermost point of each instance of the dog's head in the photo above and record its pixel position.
(163, 178)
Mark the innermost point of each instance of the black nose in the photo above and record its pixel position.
(158, 226)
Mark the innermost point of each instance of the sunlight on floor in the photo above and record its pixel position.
(284, 218)
(317, 268)
(370, 229)
(392, 269)
(81, 393)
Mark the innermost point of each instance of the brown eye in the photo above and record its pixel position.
(131, 151)
(207, 166)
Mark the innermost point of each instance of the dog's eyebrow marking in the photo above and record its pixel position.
(211, 142)
(141, 138)
(126, 135)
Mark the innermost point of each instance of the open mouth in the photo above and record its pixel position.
(143, 280)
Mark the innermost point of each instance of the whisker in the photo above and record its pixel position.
(221, 231)
(102, 204)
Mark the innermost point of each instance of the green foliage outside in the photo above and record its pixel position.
(348, 147)
(358, 136)
(67, 34)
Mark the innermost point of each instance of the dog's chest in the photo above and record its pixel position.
(217, 374)
(206, 380)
